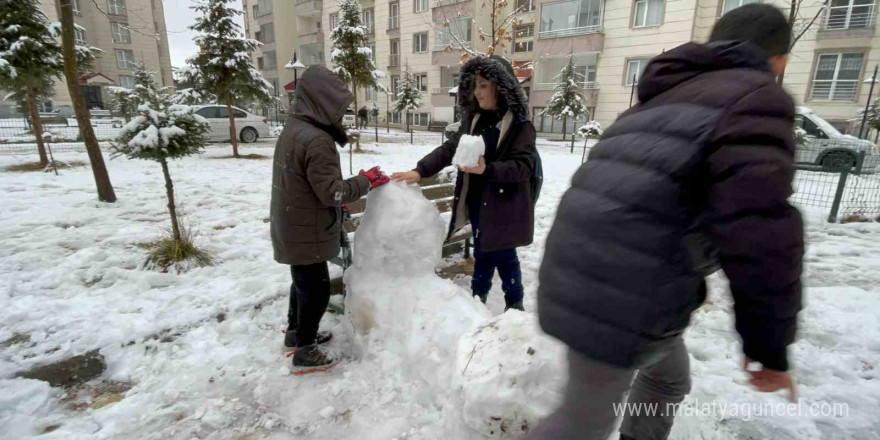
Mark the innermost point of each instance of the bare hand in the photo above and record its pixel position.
(479, 169)
(768, 381)
(407, 176)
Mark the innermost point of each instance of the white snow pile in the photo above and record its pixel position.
(505, 372)
(469, 150)
(510, 375)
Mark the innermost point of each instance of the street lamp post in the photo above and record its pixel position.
(296, 66)
(873, 80)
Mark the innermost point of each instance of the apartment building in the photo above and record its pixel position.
(127, 32)
(610, 40)
(276, 25)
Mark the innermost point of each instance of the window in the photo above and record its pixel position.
(121, 33)
(570, 17)
(76, 8)
(634, 69)
(523, 38)
(258, 36)
(837, 76)
(455, 79)
(393, 117)
(420, 5)
(260, 64)
(334, 21)
(850, 14)
(395, 86)
(547, 70)
(526, 5)
(809, 126)
(373, 52)
(730, 5)
(210, 112)
(370, 93)
(368, 18)
(312, 53)
(420, 42)
(648, 13)
(421, 81)
(264, 8)
(459, 30)
(393, 15)
(422, 119)
(79, 36)
(394, 59)
(116, 7)
(126, 81)
(270, 60)
(267, 33)
(256, 9)
(125, 59)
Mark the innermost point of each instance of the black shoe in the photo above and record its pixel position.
(312, 356)
(518, 305)
(483, 296)
(290, 338)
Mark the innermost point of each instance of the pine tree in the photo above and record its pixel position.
(30, 59)
(590, 130)
(161, 131)
(122, 101)
(223, 66)
(408, 95)
(351, 54)
(567, 101)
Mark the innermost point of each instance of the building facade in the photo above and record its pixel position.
(277, 26)
(611, 42)
(127, 32)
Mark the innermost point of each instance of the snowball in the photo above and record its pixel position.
(469, 150)
(328, 412)
(509, 375)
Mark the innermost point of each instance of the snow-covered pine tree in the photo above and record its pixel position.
(159, 132)
(568, 101)
(30, 59)
(351, 54)
(123, 101)
(223, 66)
(408, 95)
(590, 130)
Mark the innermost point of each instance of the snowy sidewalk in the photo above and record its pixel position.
(70, 280)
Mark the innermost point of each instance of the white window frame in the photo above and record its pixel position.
(124, 62)
(267, 58)
(445, 36)
(725, 9)
(267, 9)
(77, 10)
(835, 82)
(368, 16)
(264, 35)
(578, 28)
(80, 35)
(394, 15)
(420, 5)
(524, 43)
(123, 79)
(422, 38)
(641, 20)
(866, 20)
(334, 20)
(121, 33)
(421, 80)
(395, 87)
(394, 56)
(370, 93)
(421, 119)
(116, 7)
(628, 79)
(531, 5)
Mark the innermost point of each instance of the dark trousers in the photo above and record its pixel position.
(596, 390)
(309, 296)
(507, 263)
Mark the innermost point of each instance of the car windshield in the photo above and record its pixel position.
(821, 123)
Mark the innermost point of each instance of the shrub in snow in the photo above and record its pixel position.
(509, 375)
(469, 151)
(350, 54)
(159, 132)
(223, 67)
(123, 101)
(567, 101)
(591, 129)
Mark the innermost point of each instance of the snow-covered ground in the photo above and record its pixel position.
(203, 350)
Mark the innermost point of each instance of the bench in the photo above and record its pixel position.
(437, 126)
(441, 193)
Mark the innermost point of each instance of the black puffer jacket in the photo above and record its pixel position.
(507, 212)
(706, 157)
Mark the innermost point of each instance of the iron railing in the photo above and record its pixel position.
(846, 18)
(570, 31)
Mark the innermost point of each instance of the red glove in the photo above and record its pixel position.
(377, 178)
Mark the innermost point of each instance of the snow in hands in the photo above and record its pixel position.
(469, 151)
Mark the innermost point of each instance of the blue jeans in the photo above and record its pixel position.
(507, 263)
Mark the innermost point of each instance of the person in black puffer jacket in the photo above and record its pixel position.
(498, 195)
(698, 173)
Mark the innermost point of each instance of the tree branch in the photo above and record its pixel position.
(807, 27)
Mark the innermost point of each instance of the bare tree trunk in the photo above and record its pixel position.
(169, 192)
(564, 126)
(38, 124)
(99, 169)
(232, 131)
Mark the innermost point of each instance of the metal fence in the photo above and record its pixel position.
(840, 179)
(59, 133)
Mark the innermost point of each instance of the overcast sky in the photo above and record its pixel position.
(178, 18)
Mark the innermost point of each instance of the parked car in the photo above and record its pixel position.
(250, 127)
(824, 143)
(348, 120)
(451, 129)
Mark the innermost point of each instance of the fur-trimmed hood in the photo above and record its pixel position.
(500, 72)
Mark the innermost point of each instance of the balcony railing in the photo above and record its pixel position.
(840, 19)
(455, 45)
(569, 32)
(440, 3)
(834, 90)
(394, 22)
(394, 60)
(552, 85)
(441, 90)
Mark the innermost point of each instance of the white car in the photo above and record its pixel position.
(348, 119)
(250, 127)
(825, 144)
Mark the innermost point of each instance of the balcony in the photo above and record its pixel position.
(441, 3)
(441, 47)
(393, 22)
(589, 85)
(570, 32)
(311, 38)
(845, 23)
(309, 8)
(394, 60)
